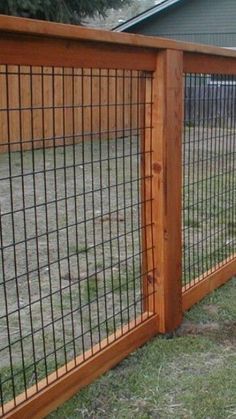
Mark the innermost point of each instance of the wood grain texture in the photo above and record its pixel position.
(73, 101)
(167, 121)
(53, 51)
(42, 29)
(199, 288)
(149, 283)
(69, 379)
(209, 64)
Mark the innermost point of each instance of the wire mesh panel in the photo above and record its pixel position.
(209, 175)
(70, 224)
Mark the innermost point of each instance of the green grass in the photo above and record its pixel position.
(79, 249)
(208, 218)
(192, 223)
(232, 227)
(192, 375)
(91, 289)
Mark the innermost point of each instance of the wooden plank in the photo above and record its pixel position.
(205, 284)
(69, 379)
(166, 187)
(20, 81)
(33, 50)
(149, 283)
(209, 64)
(57, 30)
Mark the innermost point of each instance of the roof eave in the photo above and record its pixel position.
(145, 15)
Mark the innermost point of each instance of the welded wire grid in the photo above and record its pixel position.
(70, 225)
(209, 174)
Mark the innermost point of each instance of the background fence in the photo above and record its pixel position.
(209, 175)
(98, 167)
(70, 225)
(209, 100)
(86, 98)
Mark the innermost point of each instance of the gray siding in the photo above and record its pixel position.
(203, 21)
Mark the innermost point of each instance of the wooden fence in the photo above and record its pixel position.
(66, 51)
(215, 99)
(60, 92)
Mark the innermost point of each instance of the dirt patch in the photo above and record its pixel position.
(211, 309)
(191, 328)
(224, 332)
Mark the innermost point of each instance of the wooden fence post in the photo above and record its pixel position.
(162, 184)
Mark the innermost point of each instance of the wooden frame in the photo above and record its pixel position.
(27, 42)
(42, 29)
(208, 64)
(26, 50)
(199, 288)
(167, 135)
(161, 190)
(67, 380)
(149, 239)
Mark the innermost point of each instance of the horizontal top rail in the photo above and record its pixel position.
(31, 27)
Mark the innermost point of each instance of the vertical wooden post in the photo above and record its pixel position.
(145, 89)
(163, 185)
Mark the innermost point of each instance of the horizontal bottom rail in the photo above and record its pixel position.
(62, 384)
(67, 380)
(208, 282)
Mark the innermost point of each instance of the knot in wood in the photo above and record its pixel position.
(156, 167)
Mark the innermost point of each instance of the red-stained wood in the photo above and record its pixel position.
(199, 288)
(29, 27)
(149, 284)
(167, 121)
(39, 88)
(26, 42)
(209, 64)
(69, 379)
(161, 190)
(37, 51)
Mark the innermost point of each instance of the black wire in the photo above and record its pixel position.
(86, 166)
(209, 168)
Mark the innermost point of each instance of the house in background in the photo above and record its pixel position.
(202, 21)
(210, 22)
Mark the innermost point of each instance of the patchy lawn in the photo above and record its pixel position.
(192, 375)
